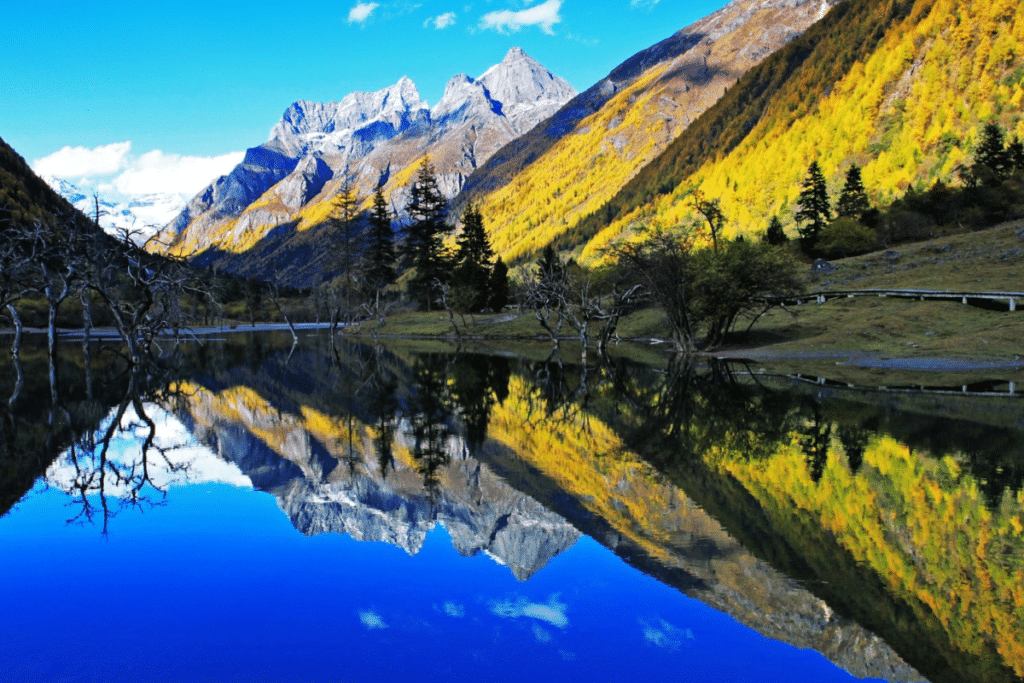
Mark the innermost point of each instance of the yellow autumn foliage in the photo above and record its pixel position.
(951, 66)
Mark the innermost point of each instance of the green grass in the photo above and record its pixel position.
(814, 335)
(987, 260)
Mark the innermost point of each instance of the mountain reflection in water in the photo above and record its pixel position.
(886, 537)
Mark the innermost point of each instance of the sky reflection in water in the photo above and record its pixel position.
(217, 585)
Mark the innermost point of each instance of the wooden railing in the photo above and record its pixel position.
(1005, 301)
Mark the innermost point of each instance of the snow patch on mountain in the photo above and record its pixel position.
(141, 216)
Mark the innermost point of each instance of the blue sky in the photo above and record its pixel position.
(178, 90)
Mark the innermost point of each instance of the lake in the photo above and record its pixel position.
(249, 511)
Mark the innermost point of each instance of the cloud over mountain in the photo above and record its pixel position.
(82, 162)
(113, 167)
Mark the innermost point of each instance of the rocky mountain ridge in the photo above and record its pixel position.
(365, 139)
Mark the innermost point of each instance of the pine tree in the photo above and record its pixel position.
(814, 209)
(853, 200)
(991, 161)
(549, 266)
(344, 215)
(424, 245)
(775, 235)
(472, 244)
(380, 248)
(473, 261)
(1015, 154)
(498, 286)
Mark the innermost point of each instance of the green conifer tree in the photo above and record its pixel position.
(380, 248)
(991, 162)
(853, 200)
(813, 206)
(424, 242)
(776, 235)
(498, 286)
(1015, 154)
(473, 261)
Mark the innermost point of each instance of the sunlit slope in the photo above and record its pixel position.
(537, 188)
(900, 88)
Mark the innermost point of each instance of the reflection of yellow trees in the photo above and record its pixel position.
(585, 458)
(923, 526)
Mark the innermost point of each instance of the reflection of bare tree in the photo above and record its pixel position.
(102, 482)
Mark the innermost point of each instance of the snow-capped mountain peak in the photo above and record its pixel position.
(328, 127)
(527, 92)
(140, 215)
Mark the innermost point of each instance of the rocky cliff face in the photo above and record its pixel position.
(366, 138)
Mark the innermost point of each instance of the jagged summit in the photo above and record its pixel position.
(316, 146)
(524, 88)
(463, 98)
(327, 127)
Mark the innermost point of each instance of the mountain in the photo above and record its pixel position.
(900, 88)
(141, 216)
(364, 139)
(538, 187)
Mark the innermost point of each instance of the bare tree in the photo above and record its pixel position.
(565, 293)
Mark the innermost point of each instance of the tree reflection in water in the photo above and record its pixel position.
(89, 428)
(839, 491)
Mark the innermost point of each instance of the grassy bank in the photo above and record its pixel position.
(990, 260)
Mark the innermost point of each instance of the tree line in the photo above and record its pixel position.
(468, 278)
(991, 191)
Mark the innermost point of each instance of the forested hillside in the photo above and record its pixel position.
(23, 194)
(899, 88)
(537, 188)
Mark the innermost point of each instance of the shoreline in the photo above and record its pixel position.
(754, 354)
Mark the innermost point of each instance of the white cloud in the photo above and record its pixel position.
(372, 620)
(552, 613)
(152, 172)
(454, 609)
(442, 21)
(80, 162)
(361, 12)
(647, 4)
(664, 634)
(157, 171)
(544, 15)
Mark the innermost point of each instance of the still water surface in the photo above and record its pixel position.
(255, 512)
